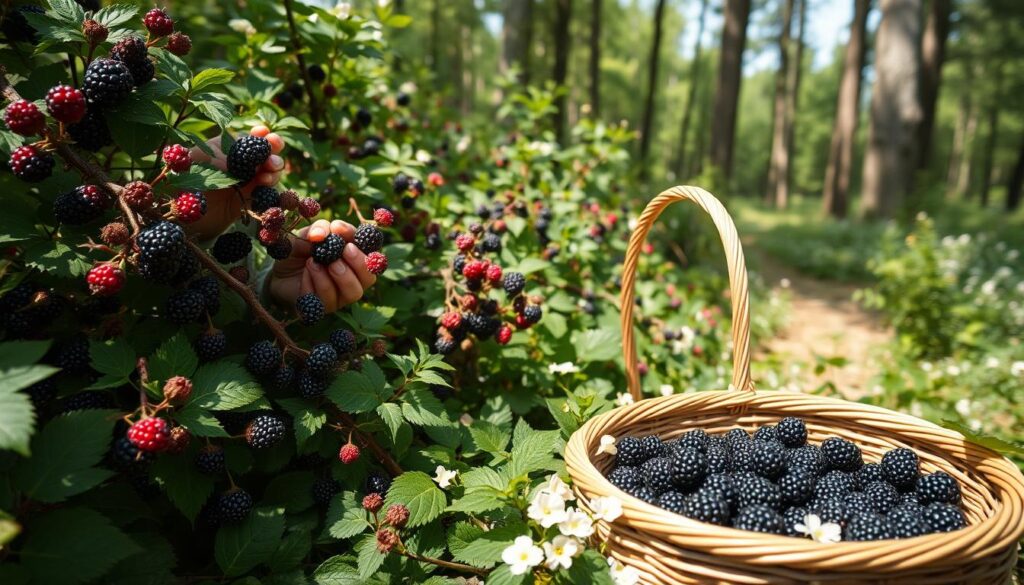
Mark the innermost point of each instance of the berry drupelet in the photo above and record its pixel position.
(266, 430)
(151, 435)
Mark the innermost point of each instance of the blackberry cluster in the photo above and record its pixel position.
(328, 250)
(368, 238)
(162, 252)
(245, 156)
(266, 430)
(81, 205)
(132, 52)
(769, 481)
(231, 247)
(107, 83)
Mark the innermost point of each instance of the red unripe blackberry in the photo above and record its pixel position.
(309, 207)
(178, 389)
(386, 540)
(94, 32)
(115, 234)
(30, 164)
(330, 90)
(494, 274)
(105, 279)
(151, 435)
(373, 502)
(158, 23)
(451, 320)
(272, 219)
(474, 269)
(465, 242)
(177, 158)
(435, 179)
(66, 104)
(349, 453)
(397, 515)
(376, 263)
(383, 217)
(521, 322)
(189, 207)
(131, 49)
(468, 302)
(23, 117)
(179, 43)
(378, 347)
(267, 237)
(504, 335)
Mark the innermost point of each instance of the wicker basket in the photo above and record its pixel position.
(668, 548)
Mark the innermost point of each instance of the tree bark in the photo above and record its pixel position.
(963, 177)
(652, 86)
(691, 94)
(435, 42)
(844, 132)
(990, 150)
(595, 58)
(792, 100)
(727, 89)
(563, 18)
(895, 109)
(959, 147)
(517, 37)
(1016, 184)
(933, 54)
(778, 150)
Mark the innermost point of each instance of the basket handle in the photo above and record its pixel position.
(737, 282)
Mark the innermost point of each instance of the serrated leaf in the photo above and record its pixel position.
(337, 570)
(346, 516)
(115, 14)
(420, 494)
(353, 392)
(308, 419)
(19, 353)
(172, 67)
(64, 453)
(998, 445)
(489, 437)
(485, 550)
(217, 108)
(201, 178)
(240, 547)
(210, 78)
(55, 257)
(532, 450)
(174, 357)
(597, 345)
(391, 414)
(199, 422)
(17, 418)
(223, 385)
(73, 545)
(114, 357)
(186, 487)
(477, 500)
(370, 559)
(371, 319)
(503, 576)
(591, 567)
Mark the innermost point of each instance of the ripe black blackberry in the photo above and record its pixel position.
(481, 325)
(882, 495)
(857, 502)
(364, 117)
(938, 487)
(458, 263)
(161, 250)
(834, 484)
(721, 483)
(841, 454)
(128, 49)
(91, 132)
(184, 306)
(899, 467)
(943, 517)
(280, 249)
(695, 439)
(868, 473)
(741, 457)
(310, 308)
(532, 313)
(209, 287)
(689, 467)
(796, 486)
(73, 356)
(284, 379)
(433, 242)
(344, 341)
(263, 198)
(754, 489)
(907, 523)
(769, 459)
(107, 82)
(231, 247)
(368, 238)
(263, 358)
(766, 433)
(80, 205)
(42, 393)
(400, 183)
(377, 483)
(809, 457)
(322, 359)
(211, 345)
(708, 506)
(491, 243)
(830, 510)
(311, 385)
(868, 526)
(657, 474)
(88, 400)
(233, 506)
(245, 156)
(328, 250)
(31, 164)
(718, 460)
(911, 498)
(792, 431)
(266, 430)
(124, 455)
(652, 446)
(626, 478)
(142, 71)
(672, 501)
(445, 345)
(323, 489)
(630, 452)
(758, 518)
(642, 493)
(210, 460)
(736, 436)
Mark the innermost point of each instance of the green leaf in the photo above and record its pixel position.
(64, 454)
(293, 549)
(353, 392)
(115, 15)
(477, 500)
(291, 491)
(224, 385)
(391, 414)
(201, 178)
(172, 67)
(20, 353)
(489, 437)
(531, 450)
(370, 559)
(73, 545)
(337, 570)
(199, 422)
(371, 319)
(308, 418)
(17, 419)
(210, 78)
(485, 549)
(55, 257)
(114, 357)
(137, 138)
(597, 345)
(530, 265)
(217, 108)
(346, 516)
(420, 494)
(186, 487)
(174, 357)
(503, 576)
(240, 547)
(998, 445)
(140, 107)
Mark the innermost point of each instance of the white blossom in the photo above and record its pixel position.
(622, 574)
(242, 25)
(522, 555)
(992, 362)
(408, 87)
(576, 523)
(624, 398)
(463, 144)
(423, 156)
(444, 477)
(953, 370)
(556, 486)
(547, 509)
(563, 368)
(784, 283)
(559, 552)
(607, 446)
(1017, 368)
(963, 406)
(666, 390)
(342, 10)
(819, 531)
(606, 508)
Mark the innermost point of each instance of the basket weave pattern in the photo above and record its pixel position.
(669, 548)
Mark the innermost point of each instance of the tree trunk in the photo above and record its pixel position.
(844, 133)
(792, 100)
(959, 147)
(652, 86)
(1016, 184)
(778, 150)
(435, 42)
(963, 176)
(895, 109)
(517, 37)
(990, 151)
(595, 58)
(727, 90)
(563, 17)
(933, 53)
(691, 95)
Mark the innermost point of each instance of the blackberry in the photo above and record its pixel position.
(707, 505)
(672, 501)
(328, 250)
(841, 454)
(911, 498)
(857, 503)
(234, 506)
(433, 242)
(142, 71)
(808, 457)
(322, 359)
(73, 356)
(209, 287)
(231, 247)
(792, 431)
(758, 518)
(514, 283)
(834, 484)
(210, 460)
(721, 483)
(736, 436)
(403, 99)
(532, 313)
(91, 132)
(310, 308)
(377, 483)
(323, 489)
(400, 183)
(868, 473)
(626, 478)
(899, 467)
(210, 346)
(796, 486)
(491, 243)
(868, 527)
(311, 385)
(642, 493)
(754, 489)
(689, 467)
(882, 495)
(790, 518)
(124, 455)
(943, 517)
(657, 474)
(766, 433)
(368, 238)
(695, 439)
(263, 198)
(482, 326)
(831, 510)
(245, 156)
(907, 523)
(769, 459)
(128, 49)
(458, 263)
(280, 249)
(344, 341)
(263, 358)
(184, 306)
(31, 165)
(938, 487)
(445, 345)
(88, 400)
(284, 378)
(81, 205)
(652, 446)
(106, 83)
(718, 460)
(42, 393)
(266, 430)
(161, 249)
(630, 452)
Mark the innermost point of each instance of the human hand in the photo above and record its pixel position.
(340, 283)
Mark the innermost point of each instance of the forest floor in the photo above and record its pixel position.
(824, 322)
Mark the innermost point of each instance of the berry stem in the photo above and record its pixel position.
(441, 563)
(379, 452)
(314, 109)
(353, 208)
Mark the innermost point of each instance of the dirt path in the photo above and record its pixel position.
(826, 322)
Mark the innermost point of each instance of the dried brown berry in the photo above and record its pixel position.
(378, 348)
(138, 195)
(178, 389)
(373, 502)
(180, 438)
(397, 515)
(115, 234)
(239, 273)
(289, 200)
(94, 32)
(386, 540)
